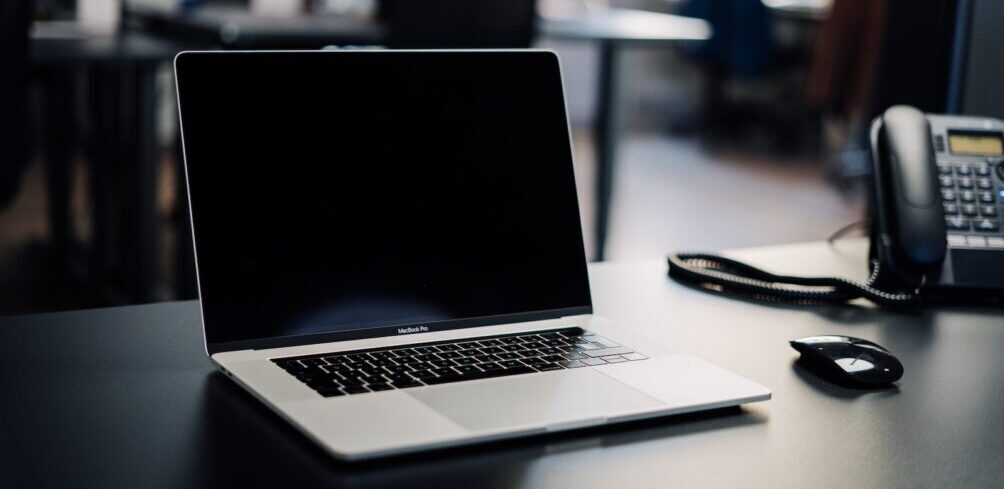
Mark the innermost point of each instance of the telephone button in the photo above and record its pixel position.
(951, 209)
(944, 170)
(964, 170)
(987, 225)
(956, 240)
(988, 210)
(984, 183)
(983, 171)
(948, 195)
(956, 223)
(946, 181)
(995, 242)
(976, 241)
(969, 209)
(967, 196)
(987, 197)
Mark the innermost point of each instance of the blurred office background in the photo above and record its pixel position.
(697, 124)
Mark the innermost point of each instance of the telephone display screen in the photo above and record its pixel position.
(976, 143)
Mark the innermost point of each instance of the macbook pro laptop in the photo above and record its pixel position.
(389, 252)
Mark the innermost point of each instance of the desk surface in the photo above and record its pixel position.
(124, 397)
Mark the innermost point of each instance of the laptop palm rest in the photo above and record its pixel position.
(545, 400)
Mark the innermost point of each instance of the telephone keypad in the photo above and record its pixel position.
(970, 202)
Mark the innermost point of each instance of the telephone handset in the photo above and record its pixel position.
(936, 206)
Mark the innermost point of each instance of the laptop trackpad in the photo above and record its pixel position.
(534, 400)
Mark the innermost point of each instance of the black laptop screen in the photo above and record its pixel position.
(356, 192)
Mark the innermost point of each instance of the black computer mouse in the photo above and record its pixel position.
(849, 361)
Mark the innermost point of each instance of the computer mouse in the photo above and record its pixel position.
(849, 361)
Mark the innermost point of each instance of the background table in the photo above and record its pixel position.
(125, 398)
(121, 73)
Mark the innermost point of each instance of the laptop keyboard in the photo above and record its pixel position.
(406, 366)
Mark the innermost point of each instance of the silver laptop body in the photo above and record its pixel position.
(356, 279)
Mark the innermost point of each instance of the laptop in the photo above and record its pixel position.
(390, 256)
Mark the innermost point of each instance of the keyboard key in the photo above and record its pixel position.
(634, 356)
(396, 369)
(614, 359)
(441, 363)
(508, 356)
(480, 375)
(422, 374)
(550, 351)
(489, 366)
(424, 350)
(406, 384)
(490, 350)
(465, 361)
(330, 392)
(602, 352)
(443, 371)
(510, 364)
(356, 390)
(528, 353)
(594, 361)
(466, 369)
(548, 366)
(446, 355)
(447, 348)
(490, 343)
(572, 364)
(336, 359)
(572, 332)
(573, 355)
(373, 379)
(379, 387)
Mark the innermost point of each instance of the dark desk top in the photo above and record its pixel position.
(123, 397)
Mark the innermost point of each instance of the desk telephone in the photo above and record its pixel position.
(937, 201)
